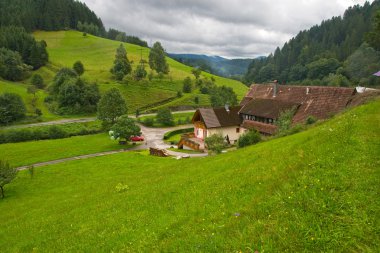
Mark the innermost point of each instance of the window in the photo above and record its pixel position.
(237, 130)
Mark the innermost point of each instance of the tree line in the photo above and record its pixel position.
(55, 15)
(333, 53)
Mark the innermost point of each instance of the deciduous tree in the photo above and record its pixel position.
(7, 174)
(111, 106)
(157, 60)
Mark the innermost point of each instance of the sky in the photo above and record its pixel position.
(228, 28)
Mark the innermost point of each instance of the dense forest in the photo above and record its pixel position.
(334, 53)
(55, 15)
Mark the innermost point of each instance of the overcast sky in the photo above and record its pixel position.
(229, 28)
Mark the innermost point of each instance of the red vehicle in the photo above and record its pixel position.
(137, 138)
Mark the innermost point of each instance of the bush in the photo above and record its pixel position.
(148, 122)
(284, 121)
(215, 143)
(187, 85)
(49, 132)
(12, 108)
(249, 138)
(311, 120)
(165, 117)
(38, 81)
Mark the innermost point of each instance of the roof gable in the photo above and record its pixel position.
(218, 117)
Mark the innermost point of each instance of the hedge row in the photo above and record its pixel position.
(49, 132)
(175, 132)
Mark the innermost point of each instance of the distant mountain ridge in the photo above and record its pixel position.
(214, 64)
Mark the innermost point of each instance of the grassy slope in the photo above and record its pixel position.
(25, 153)
(97, 55)
(314, 191)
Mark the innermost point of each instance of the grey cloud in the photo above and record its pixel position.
(230, 28)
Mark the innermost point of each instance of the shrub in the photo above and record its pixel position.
(38, 81)
(148, 122)
(12, 108)
(55, 132)
(196, 100)
(187, 85)
(249, 138)
(311, 120)
(284, 121)
(215, 143)
(165, 117)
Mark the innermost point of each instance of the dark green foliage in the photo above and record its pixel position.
(187, 85)
(215, 143)
(222, 95)
(362, 64)
(140, 72)
(114, 34)
(249, 138)
(319, 51)
(78, 68)
(125, 127)
(157, 60)
(284, 122)
(11, 66)
(322, 67)
(17, 39)
(148, 122)
(196, 100)
(311, 120)
(122, 66)
(165, 117)
(72, 94)
(196, 72)
(49, 132)
(12, 108)
(38, 81)
(373, 37)
(337, 80)
(47, 15)
(111, 106)
(7, 174)
(89, 28)
(179, 94)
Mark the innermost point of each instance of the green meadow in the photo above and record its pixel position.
(315, 191)
(97, 55)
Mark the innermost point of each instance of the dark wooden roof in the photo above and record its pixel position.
(218, 117)
(319, 101)
(260, 127)
(267, 108)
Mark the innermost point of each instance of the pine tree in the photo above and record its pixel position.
(122, 66)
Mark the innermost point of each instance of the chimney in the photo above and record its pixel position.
(227, 107)
(275, 87)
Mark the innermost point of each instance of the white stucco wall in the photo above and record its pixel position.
(230, 131)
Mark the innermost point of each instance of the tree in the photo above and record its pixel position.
(7, 174)
(373, 37)
(187, 85)
(12, 108)
(38, 81)
(124, 128)
(11, 66)
(140, 72)
(78, 68)
(157, 60)
(164, 116)
(111, 106)
(215, 143)
(223, 95)
(122, 66)
(320, 68)
(249, 138)
(196, 72)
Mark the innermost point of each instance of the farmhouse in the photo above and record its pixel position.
(261, 108)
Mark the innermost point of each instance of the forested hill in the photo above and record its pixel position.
(56, 15)
(215, 64)
(332, 53)
(49, 15)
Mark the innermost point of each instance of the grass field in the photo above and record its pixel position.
(313, 191)
(31, 152)
(97, 55)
